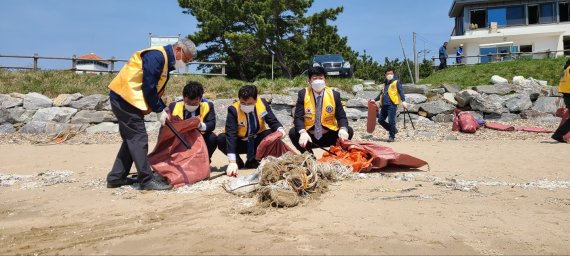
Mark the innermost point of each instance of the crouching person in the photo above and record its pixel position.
(195, 106)
(319, 116)
(246, 126)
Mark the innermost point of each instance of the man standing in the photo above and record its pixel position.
(319, 115)
(246, 127)
(564, 88)
(459, 54)
(135, 92)
(443, 56)
(389, 99)
(194, 106)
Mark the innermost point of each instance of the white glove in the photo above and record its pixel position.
(202, 127)
(282, 132)
(232, 169)
(405, 105)
(343, 133)
(163, 116)
(304, 138)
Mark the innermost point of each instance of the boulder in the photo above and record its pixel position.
(533, 114)
(518, 80)
(508, 117)
(554, 92)
(476, 114)
(500, 89)
(549, 119)
(415, 98)
(531, 87)
(3, 115)
(153, 126)
(91, 102)
(17, 95)
(464, 97)
(105, 127)
(518, 103)
(411, 88)
(93, 117)
(437, 91)
(357, 103)
(294, 91)
(7, 101)
(450, 98)
(452, 88)
(106, 105)
(283, 100)
(367, 95)
(498, 80)
(63, 100)
(54, 114)
(36, 101)
(434, 108)
(7, 128)
(546, 104)
(344, 95)
(221, 108)
(443, 118)
(368, 82)
(151, 117)
(357, 88)
(283, 116)
(37, 127)
(488, 103)
(20, 115)
(355, 114)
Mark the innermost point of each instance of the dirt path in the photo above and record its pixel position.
(480, 197)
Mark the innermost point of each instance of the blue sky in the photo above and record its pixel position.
(120, 27)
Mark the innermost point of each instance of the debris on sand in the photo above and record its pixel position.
(41, 179)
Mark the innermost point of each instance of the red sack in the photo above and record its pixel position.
(498, 126)
(372, 116)
(464, 122)
(173, 161)
(367, 156)
(272, 145)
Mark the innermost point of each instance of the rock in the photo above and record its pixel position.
(91, 102)
(36, 101)
(549, 119)
(554, 92)
(533, 114)
(344, 95)
(498, 80)
(531, 87)
(488, 103)
(450, 137)
(153, 126)
(464, 97)
(542, 82)
(54, 114)
(37, 127)
(410, 88)
(63, 100)
(368, 82)
(3, 115)
(283, 116)
(501, 89)
(452, 88)
(283, 100)
(17, 95)
(518, 80)
(546, 104)
(151, 117)
(355, 114)
(443, 118)
(20, 115)
(357, 103)
(93, 117)
(450, 98)
(357, 88)
(508, 117)
(294, 91)
(7, 101)
(221, 108)
(105, 127)
(437, 91)
(415, 98)
(7, 128)
(367, 95)
(106, 105)
(518, 103)
(436, 107)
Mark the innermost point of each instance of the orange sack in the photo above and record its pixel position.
(171, 159)
(367, 157)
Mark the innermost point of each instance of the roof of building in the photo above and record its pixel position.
(93, 56)
(457, 5)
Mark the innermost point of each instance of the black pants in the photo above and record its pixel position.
(388, 111)
(241, 147)
(211, 142)
(328, 139)
(565, 127)
(442, 63)
(135, 143)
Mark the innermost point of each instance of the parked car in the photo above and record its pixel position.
(334, 65)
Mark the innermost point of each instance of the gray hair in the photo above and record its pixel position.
(188, 44)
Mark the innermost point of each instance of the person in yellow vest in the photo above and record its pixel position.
(249, 121)
(319, 119)
(388, 100)
(135, 92)
(564, 88)
(195, 106)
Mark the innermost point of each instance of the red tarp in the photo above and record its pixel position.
(464, 122)
(498, 126)
(172, 160)
(367, 156)
(272, 145)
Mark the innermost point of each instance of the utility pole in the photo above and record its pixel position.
(406, 60)
(416, 63)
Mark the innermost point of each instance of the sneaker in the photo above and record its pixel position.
(558, 138)
(155, 185)
(253, 164)
(120, 183)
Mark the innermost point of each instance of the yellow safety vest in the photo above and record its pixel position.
(328, 118)
(179, 110)
(393, 93)
(260, 110)
(564, 86)
(128, 83)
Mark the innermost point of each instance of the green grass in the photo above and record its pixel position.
(480, 74)
(53, 83)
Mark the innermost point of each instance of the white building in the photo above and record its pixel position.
(91, 63)
(500, 29)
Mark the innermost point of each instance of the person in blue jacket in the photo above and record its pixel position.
(388, 100)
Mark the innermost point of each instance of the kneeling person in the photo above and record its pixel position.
(246, 127)
(195, 106)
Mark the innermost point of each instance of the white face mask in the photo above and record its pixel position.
(247, 108)
(389, 77)
(191, 108)
(179, 64)
(318, 85)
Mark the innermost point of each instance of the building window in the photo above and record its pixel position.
(515, 16)
(564, 12)
(546, 13)
(498, 15)
(478, 18)
(533, 14)
(526, 48)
